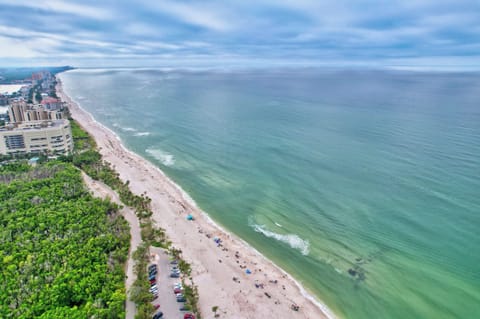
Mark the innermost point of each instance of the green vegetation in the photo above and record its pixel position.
(62, 252)
(81, 140)
(87, 158)
(30, 96)
(38, 97)
(139, 292)
(214, 310)
(190, 291)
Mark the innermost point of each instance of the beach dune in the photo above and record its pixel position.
(219, 269)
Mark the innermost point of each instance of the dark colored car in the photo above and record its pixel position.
(177, 290)
(153, 272)
(174, 275)
(181, 299)
(158, 315)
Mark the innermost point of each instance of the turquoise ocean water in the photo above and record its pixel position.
(323, 171)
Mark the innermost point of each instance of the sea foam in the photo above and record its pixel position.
(162, 156)
(292, 240)
(142, 134)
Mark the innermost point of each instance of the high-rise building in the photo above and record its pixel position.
(16, 111)
(51, 137)
(19, 112)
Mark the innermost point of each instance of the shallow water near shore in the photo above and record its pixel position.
(364, 185)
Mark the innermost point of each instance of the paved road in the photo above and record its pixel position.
(166, 298)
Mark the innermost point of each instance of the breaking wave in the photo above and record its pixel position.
(142, 134)
(292, 240)
(164, 157)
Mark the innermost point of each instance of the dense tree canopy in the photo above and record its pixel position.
(62, 252)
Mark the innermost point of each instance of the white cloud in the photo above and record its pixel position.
(63, 7)
(142, 29)
(142, 45)
(248, 30)
(13, 48)
(199, 14)
(33, 48)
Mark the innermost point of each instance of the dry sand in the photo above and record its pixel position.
(218, 271)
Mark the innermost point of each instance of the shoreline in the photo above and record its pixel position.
(231, 289)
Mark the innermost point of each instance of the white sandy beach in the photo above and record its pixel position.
(219, 271)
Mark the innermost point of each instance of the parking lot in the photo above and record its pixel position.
(166, 297)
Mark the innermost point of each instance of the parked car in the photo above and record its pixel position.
(174, 262)
(189, 316)
(156, 306)
(152, 273)
(177, 285)
(179, 295)
(152, 266)
(184, 308)
(181, 299)
(151, 277)
(177, 290)
(174, 275)
(158, 315)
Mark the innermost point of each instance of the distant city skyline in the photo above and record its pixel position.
(421, 34)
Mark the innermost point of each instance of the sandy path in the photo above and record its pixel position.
(219, 271)
(103, 191)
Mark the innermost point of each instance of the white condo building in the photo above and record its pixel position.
(51, 137)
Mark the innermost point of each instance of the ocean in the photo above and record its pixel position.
(364, 185)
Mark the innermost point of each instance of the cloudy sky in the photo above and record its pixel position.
(415, 33)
